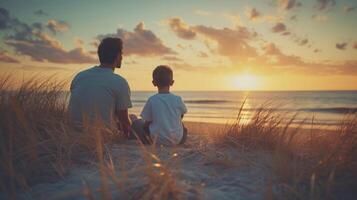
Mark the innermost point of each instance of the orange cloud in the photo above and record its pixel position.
(252, 14)
(325, 4)
(349, 8)
(233, 43)
(341, 46)
(181, 29)
(45, 48)
(278, 28)
(288, 4)
(277, 60)
(171, 58)
(57, 26)
(320, 18)
(5, 57)
(141, 41)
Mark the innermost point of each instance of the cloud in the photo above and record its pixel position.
(44, 48)
(252, 13)
(341, 46)
(40, 13)
(286, 33)
(183, 66)
(57, 26)
(140, 42)
(43, 68)
(79, 42)
(271, 49)
(278, 28)
(202, 54)
(234, 18)
(5, 57)
(303, 42)
(293, 18)
(232, 43)
(349, 8)
(277, 60)
(288, 4)
(319, 18)
(236, 45)
(31, 40)
(4, 18)
(317, 50)
(171, 58)
(181, 29)
(274, 56)
(323, 5)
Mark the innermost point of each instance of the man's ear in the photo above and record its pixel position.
(154, 83)
(172, 82)
(118, 60)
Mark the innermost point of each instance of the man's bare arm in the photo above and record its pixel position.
(124, 121)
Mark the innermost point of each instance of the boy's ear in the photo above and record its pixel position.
(154, 83)
(172, 82)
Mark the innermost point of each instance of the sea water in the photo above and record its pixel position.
(326, 108)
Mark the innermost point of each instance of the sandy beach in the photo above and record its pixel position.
(199, 169)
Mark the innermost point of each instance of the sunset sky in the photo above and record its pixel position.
(210, 44)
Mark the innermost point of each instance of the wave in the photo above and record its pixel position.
(203, 101)
(207, 101)
(340, 110)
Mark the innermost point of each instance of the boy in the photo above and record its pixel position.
(164, 111)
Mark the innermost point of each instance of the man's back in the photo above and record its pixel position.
(97, 93)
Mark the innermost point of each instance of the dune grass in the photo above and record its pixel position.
(307, 164)
(39, 144)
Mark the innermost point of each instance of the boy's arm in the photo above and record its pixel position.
(146, 125)
(146, 114)
(183, 108)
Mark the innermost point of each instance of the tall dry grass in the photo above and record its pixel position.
(37, 140)
(39, 144)
(306, 163)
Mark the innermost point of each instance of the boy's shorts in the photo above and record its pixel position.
(144, 134)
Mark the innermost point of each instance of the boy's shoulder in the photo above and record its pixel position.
(169, 96)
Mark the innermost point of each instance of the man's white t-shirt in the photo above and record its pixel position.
(165, 110)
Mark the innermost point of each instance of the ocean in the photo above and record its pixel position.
(324, 108)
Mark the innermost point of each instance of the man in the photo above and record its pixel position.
(98, 94)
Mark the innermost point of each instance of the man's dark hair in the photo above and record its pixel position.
(162, 75)
(109, 49)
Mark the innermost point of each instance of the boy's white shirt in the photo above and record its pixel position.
(164, 110)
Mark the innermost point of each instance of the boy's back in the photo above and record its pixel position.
(164, 111)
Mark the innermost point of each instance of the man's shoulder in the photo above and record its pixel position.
(119, 78)
(84, 72)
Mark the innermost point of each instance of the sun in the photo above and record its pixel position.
(246, 82)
